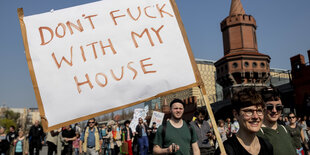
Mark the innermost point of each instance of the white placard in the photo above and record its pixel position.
(138, 113)
(158, 118)
(103, 55)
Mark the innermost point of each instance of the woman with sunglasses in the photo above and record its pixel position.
(276, 134)
(297, 135)
(249, 108)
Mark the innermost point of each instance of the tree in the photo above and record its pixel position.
(10, 119)
(6, 123)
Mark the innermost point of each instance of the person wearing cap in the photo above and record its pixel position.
(176, 136)
(276, 134)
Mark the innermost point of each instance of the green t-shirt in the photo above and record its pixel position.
(180, 136)
(279, 139)
(296, 136)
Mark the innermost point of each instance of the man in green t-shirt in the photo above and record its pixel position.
(276, 134)
(177, 138)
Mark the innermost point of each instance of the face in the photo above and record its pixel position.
(177, 110)
(292, 118)
(36, 123)
(273, 110)
(250, 118)
(228, 120)
(1, 130)
(91, 123)
(200, 118)
(11, 129)
(67, 127)
(20, 133)
(140, 120)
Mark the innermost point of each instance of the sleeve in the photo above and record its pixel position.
(194, 137)
(82, 136)
(158, 137)
(100, 133)
(137, 128)
(131, 134)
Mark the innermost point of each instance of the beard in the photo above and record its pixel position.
(200, 121)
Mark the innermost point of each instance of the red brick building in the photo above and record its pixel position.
(301, 83)
(242, 65)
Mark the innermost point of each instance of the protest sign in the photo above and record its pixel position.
(158, 118)
(100, 57)
(138, 113)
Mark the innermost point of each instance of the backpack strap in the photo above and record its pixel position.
(163, 133)
(284, 128)
(262, 130)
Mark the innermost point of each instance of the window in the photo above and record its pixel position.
(235, 65)
(262, 65)
(246, 64)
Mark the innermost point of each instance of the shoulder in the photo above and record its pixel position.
(265, 144)
(231, 145)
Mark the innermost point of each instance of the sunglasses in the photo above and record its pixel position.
(91, 122)
(270, 107)
(291, 117)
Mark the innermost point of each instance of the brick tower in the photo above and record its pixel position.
(242, 64)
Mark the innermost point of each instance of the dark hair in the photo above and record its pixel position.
(13, 127)
(291, 113)
(176, 100)
(245, 98)
(270, 94)
(126, 122)
(200, 111)
(93, 120)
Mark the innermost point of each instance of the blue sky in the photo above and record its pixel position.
(283, 30)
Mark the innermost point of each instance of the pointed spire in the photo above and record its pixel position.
(236, 8)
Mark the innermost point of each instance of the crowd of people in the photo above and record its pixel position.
(258, 127)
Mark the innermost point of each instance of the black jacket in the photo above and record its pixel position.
(124, 130)
(139, 129)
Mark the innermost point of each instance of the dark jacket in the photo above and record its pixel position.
(36, 136)
(124, 130)
(139, 129)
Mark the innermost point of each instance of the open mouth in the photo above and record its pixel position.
(254, 123)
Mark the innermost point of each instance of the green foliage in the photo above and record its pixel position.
(9, 118)
(9, 114)
(6, 123)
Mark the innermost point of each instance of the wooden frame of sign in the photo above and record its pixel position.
(198, 83)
